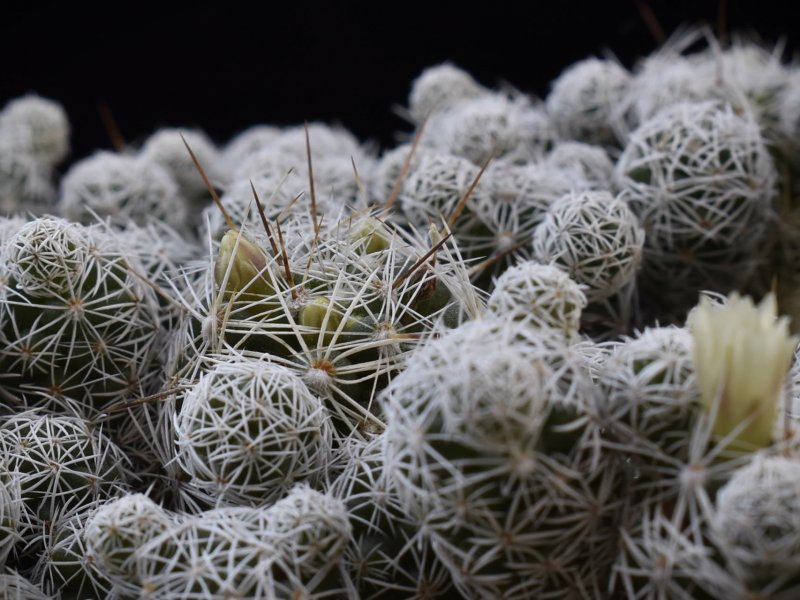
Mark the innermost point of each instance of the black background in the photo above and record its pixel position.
(225, 66)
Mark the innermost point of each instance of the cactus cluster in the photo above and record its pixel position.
(539, 349)
(34, 140)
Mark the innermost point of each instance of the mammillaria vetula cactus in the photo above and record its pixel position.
(116, 529)
(246, 143)
(75, 320)
(341, 309)
(67, 567)
(595, 238)
(650, 403)
(280, 169)
(756, 525)
(462, 369)
(40, 124)
(388, 555)
(167, 148)
(216, 553)
(34, 138)
(291, 549)
(516, 200)
(59, 466)
(586, 161)
(440, 88)
(57, 460)
(701, 181)
(662, 560)
(249, 430)
(310, 530)
(541, 295)
(492, 125)
(480, 446)
(122, 188)
(584, 100)
(434, 188)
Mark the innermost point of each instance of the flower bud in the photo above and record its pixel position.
(241, 266)
(374, 234)
(320, 314)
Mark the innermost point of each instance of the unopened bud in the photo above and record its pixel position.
(321, 315)
(241, 266)
(373, 232)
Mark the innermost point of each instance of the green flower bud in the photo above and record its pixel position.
(241, 266)
(320, 314)
(372, 233)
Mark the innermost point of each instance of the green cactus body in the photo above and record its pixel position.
(354, 310)
(472, 435)
(74, 320)
(58, 460)
(67, 567)
(388, 557)
(289, 550)
(249, 430)
(700, 179)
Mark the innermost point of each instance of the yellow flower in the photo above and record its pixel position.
(742, 353)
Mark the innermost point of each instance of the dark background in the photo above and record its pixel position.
(226, 66)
